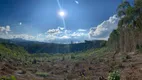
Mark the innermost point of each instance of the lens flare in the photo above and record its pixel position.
(61, 13)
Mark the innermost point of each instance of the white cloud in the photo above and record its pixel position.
(2, 29)
(103, 30)
(22, 36)
(55, 31)
(52, 35)
(78, 34)
(81, 30)
(61, 28)
(5, 30)
(65, 37)
(61, 34)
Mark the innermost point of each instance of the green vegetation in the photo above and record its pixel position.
(114, 75)
(69, 56)
(126, 37)
(42, 74)
(11, 51)
(8, 78)
(114, 40)
(129, 13)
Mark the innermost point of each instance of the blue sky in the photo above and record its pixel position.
(39, 20)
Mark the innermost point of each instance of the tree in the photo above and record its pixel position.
(138, 5)
(127, 14)
(122, 8)
(138, 8)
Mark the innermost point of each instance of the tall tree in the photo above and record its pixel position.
(122, 8)
(127, 13)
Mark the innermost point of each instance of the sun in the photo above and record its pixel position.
(61, 13)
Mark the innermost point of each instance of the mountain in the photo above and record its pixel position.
(42, 47)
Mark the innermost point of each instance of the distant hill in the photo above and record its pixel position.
(42, 47)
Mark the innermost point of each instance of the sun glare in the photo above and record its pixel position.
(61, 13)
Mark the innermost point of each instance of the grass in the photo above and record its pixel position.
(70, 56)
(10, 51)
(8, 78)
(42, 74)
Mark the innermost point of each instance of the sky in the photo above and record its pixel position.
(39, 20)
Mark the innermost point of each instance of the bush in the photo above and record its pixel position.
(42, 74)
(114, 75)
(72, 57)
(13, 78)
(8, 78)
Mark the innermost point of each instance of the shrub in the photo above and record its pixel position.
(13, 78)
(8, 78)
(41, 74)
(115, 75)
(72, 57)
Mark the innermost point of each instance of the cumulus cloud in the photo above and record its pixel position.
(55, 35)
(4, 33)
(103, 30)
(63, 35)
(55, 31)
(78, 34)
(5, 30)
(2, 29)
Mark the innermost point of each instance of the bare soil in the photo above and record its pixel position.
(87, 69)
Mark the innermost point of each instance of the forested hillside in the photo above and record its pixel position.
(42, 47)
(128, 36)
